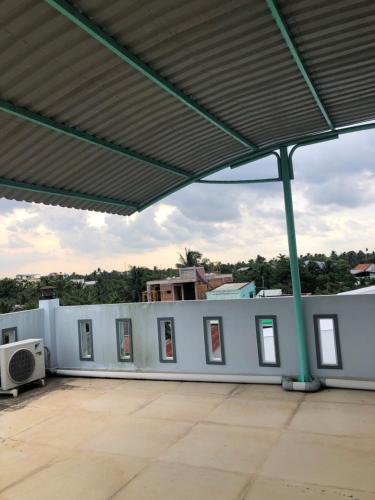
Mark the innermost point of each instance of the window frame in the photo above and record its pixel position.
(130, 359)
(80, 321)
(3, 330)
(207, 333)
(262, 362)
(318, 346)
(173, 338)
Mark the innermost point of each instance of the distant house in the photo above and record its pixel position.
(31, 278)
(81, 281)
(78, 281)
(274, 292)
(232, 291)
(368, 290)
(320, 263)
(56, 275)
(364, 271)
(192, 284)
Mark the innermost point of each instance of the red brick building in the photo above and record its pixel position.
(191, 284)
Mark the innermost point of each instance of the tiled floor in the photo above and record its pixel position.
(117, 439)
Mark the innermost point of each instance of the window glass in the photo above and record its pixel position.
(166, 340)
(328, 350)
(214, 340)
(85, 338)
(267, 340)
(9, 335)
(124, 339)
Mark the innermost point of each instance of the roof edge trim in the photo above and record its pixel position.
(25, 186)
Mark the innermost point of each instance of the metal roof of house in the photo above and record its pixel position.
(230, 287)
(110, 105)
(360, 291)
(361, 267)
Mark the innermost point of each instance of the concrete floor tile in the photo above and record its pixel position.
(66, 431)
(267, 392)
(236, 449)
(18, 460)
(264, 489)
(18, 419)
(93, 476)
(67, 398)
(335, 419)
(74, 439)
(168, 481)
(94, 383)
(342, 396)
(151, 386)
(140, 437)
(260, 413)
(205, 388)
(341, 462)
(189, 408)
(114, 403)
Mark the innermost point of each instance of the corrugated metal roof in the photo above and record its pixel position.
(230, 57)
(229, 287)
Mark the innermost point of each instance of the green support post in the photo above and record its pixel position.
(286, 176)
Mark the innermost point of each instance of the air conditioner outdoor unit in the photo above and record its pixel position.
(20, 363)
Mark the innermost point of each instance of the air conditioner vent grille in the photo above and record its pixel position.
(21, 365)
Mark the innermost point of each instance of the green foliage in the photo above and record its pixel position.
(189, 258)
(320, 274)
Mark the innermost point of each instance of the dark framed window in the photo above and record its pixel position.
(124, 336)
(85, 338)
(214, 340)
(267, 340)
(327, 341)
(9, 335)
(167, 343)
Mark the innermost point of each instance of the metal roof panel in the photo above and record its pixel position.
(230, 57)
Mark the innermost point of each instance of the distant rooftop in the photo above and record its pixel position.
(360, 291)
(230, 287)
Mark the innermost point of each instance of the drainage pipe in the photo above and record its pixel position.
(235, 379)
(193, 377)
(366, 385)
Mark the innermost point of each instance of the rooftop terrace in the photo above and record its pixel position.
(128, 439)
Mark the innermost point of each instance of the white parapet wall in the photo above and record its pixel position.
(356, 324)
(29, 324)
(59, 327)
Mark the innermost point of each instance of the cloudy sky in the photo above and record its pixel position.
(334, 197)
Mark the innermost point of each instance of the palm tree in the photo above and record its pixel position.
(190, 258)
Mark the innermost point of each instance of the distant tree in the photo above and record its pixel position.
(189, 258)
(136, 283)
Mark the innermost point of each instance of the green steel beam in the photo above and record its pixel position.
(77, 17)
(62, 192)
(269, 150)
(246, 181)
(356, 128)
(281, 24)
(181, 185)
(81, 135)
(304, 371)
